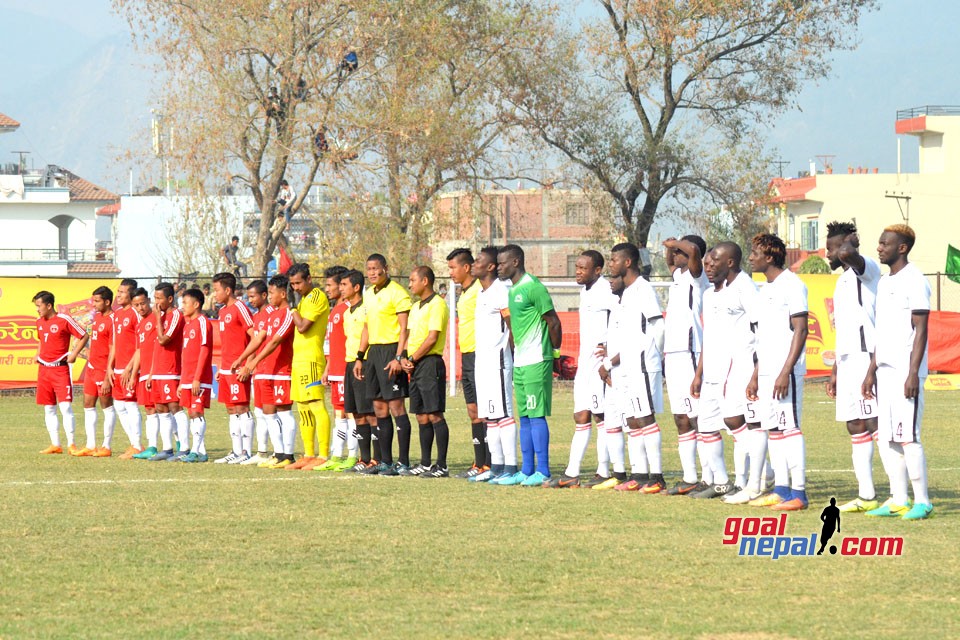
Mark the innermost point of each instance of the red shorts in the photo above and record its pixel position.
(259, 392)
(232, 391)
(336, 394)
(92, 381)
(54, 385)
(144, 396)
(120, 392)
(274, 392)
(192, 403)
(165, 390)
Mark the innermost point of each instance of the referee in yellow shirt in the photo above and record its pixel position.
(460, 263)
(388, 307)
(428, 373)
(309, 363)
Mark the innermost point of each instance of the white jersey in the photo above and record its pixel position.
(779, 302)
(727, 337)
(684, 329)
(596, 304)
(639, 351)
(854, 309)
(490, 327)
(898, 296)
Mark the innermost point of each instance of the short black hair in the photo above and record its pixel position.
(379, 257)
(226, 280)
(45, 297)
(280, 281)
(129, 282)
(838, 228)
(335, 272)
(594, 256)
(632, 251)
(165, 288)
(206, 286)
(139, 291)
(355, 278)
(258, 285)
(301, 269)
(426, 272)
(514, 250)
(237, 238)
(461, 255)
(491, 252)
(194, 293)
(104, 292)
(699, 242)
(735, 251)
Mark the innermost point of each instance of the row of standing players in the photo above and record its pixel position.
(734, 360)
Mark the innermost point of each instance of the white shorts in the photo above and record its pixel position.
(588, 388)
(710, 418)
(613, 415)
(899, 417)
(851, 405)
(641, 394)
(494, 391)
(735, 401)
(680, 368)
(783, 414)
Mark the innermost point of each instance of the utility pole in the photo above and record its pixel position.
(781, 163)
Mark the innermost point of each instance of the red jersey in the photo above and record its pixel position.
(337, 360)
(125, 323)
(279, 362)
(235, 320)
(197, 334)
(54, 334)
(260, 320)
(167, 357)
(146, 342)
(100, 333)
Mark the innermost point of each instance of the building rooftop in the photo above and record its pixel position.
(103, 267)
(84, 190)
(6, 122)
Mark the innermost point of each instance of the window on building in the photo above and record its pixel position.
(572, 265)
(576, 213)
(455, 207)
(809, 235)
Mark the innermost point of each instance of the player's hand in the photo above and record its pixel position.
(600, 351)
(393, 368)
(148, 383)
(603, 373)
(407, 366)
(752, 388)
(781, 387)
(832, 385)
(869, 384)
(911, 388)
(608, 379)
(243, 373)
(107, 385)
(195, 389)
(324, 379)
(71, 358)
(696, 385)
(358, 370)
(236, 365)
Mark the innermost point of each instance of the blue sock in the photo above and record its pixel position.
(541, 444)
(798, 494)
(783, 492)
(526, 447)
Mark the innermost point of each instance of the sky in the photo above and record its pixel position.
(68, 63)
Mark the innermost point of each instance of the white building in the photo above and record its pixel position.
(54, 222)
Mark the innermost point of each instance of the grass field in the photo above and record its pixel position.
(101, 548)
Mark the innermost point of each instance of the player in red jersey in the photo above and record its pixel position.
(257, 298)
(344, 431)
(274, 363)
(234, 323)
(123, 346)
(54, 357)
(196, 381)
(95, 373)
(137, 371)
(164, 379)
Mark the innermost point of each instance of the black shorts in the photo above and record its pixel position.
(380, 385)
(427, 388)
(355, 398)
(467, 379)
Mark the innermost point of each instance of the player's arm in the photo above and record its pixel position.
(692, 251)
(832, 382)
(361, 351)
(270, 347)
(554, 328)
(164, 337)
(301, 324)
(850, 255)
(697, 383)
(205, 350)
(669, 251)
(131, 371)
(394, 367)
(80, 343)
(256, 340)
(920, 317)
(798, 343)
(870, 379)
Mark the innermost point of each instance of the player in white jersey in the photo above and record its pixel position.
(683, 337)
(596, 303)
(494, 368)
(614, 417)
(898, 370)
(639, 358)
(776, 387)
(724, 371)
(854, 312)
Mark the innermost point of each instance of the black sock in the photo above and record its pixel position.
(374, 444)
(385, 435)
(403, 439)
(363, 441)
(487, 459)
(426, 443)
(620, 475)
(479, 430)
(443, 442)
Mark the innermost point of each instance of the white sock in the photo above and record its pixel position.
(109, 424)
(712, 445)
(603, 455)
(917, 468)
(121, 408)
(247, 426)
(182, 422)
(262, 429)
(796, 453)
(706, 473)
(638, 456)
(778, 459)
(740, 453)
(168, 427)
(69, 422)
(153, 429)
(198, 426)
(615, 446)
(862, 452)
(288, 430)
(133, 423)
(235, 440)
(578, 448)
(273, 428)
(687, 448)
(493, 442)
(652, 443)
(896, 467)
(755, 441)
(53, 424)
(508, 441)
(353, 447)
(90, 426)
(339, 440)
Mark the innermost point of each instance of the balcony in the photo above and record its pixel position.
(928, 110)
(103, 253)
